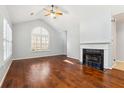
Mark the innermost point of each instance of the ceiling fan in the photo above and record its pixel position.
(52, 11)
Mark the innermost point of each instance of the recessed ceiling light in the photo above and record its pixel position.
(31, 13)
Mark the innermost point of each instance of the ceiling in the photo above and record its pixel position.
(21, 13)
(73, 14)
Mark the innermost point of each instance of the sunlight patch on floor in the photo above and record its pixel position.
(67, 61)
(119, 65)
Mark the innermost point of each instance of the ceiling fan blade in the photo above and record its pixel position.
(59, 13)
(47, 14)
(61, 9)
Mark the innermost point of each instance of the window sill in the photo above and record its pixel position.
(40, 50)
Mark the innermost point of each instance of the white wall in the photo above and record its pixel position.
(95, 25)
(4, 65)
(73, 41)
(64, 38)
(120, 41)
(22, 40)
(92, 25)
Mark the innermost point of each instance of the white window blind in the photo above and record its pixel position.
(40, 39)
(7, 40)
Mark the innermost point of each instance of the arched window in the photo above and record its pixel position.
(40, 39)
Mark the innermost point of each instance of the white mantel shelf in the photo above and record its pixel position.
(83, 43)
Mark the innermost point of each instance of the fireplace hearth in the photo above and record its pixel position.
(94, 58)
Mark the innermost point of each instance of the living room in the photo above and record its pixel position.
(41, 45)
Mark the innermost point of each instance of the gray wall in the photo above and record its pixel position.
(95, 24)
(22, 40)
(73, 41)
(95, 27)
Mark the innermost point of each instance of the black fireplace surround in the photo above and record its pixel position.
(94, 58)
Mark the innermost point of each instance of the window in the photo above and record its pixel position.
(7, 40)
(40, 39)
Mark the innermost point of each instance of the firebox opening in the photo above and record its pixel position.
(94, 58)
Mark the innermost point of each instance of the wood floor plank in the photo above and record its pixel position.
(59, 72)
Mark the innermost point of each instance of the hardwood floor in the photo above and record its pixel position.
(59, 72)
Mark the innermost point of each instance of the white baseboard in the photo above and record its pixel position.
(108, 68)
(73, 57)
(5, 74)
(37, 57)
(119, 61)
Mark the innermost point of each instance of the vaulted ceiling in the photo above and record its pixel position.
(21, 13)
(74, 13)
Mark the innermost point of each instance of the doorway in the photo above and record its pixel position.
(118, 41)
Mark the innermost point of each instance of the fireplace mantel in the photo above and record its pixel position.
(97, 42)
(96, 45)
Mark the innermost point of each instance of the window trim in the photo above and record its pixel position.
(6, 40)
(42, 50)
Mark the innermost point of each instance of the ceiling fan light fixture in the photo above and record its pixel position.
(53, 15)
(53, 11)
(32, 13)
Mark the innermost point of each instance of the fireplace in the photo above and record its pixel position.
(94, 58)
